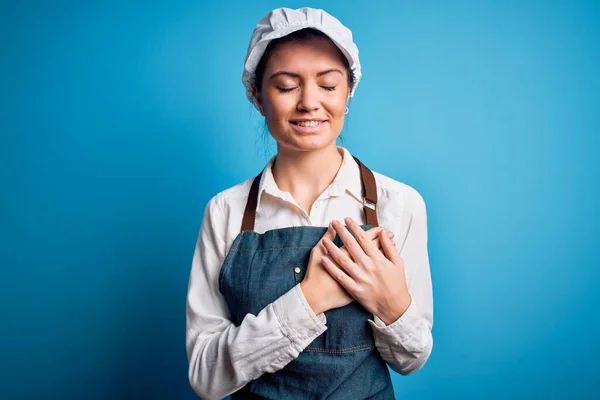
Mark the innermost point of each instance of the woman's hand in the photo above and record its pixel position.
(320, 289)
(374, 278)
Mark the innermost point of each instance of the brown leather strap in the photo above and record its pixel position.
(250, 211)
(369, 192)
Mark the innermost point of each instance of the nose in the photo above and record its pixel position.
(309, 98)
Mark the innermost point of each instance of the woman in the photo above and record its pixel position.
(296, 291)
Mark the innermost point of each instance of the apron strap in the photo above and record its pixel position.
(250, 211)
(369, 191)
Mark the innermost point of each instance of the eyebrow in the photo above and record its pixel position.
(294, 75)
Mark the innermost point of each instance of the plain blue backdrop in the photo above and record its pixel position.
(119, 121)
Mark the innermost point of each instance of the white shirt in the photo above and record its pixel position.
(224, 357)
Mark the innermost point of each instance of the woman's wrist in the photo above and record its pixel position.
(397, 310)
(311, 298)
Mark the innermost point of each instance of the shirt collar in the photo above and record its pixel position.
(346, 180)
(348, 177)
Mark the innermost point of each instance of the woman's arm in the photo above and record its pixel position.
(407, 343)
(393, 283)
(224, 357)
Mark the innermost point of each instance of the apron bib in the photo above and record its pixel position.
(343, 362)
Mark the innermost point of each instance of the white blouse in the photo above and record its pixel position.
(224, 357)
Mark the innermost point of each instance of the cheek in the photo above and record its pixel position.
(337, 107)
(277, 107)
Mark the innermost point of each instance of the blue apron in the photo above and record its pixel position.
(342, 363)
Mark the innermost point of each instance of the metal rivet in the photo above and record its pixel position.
(297, 270)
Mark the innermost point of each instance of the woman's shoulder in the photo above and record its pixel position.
(233, 198)
(394, 195)
(398, 197)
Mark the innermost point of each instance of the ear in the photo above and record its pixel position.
(258, 98)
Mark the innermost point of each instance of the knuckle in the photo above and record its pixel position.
(360, 290)
(353, 246)
(368, 266)
(361, 237)
(344, 263)
(373, 233)
(366, 282)
(385, 263)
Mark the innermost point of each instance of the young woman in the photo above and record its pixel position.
(298, 288)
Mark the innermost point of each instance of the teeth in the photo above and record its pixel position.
(308, 123)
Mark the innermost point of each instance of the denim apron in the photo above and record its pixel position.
(343, 362)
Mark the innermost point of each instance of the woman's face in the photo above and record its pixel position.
(304, 94)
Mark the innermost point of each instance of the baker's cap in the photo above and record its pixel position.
(283, 21)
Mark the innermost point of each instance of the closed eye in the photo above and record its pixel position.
(285, 90)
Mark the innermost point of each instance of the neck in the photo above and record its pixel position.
(305, 175)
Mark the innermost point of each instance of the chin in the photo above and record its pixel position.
(307, 143)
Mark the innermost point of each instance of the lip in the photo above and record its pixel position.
(308, 129)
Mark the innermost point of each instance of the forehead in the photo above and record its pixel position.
(314, 54)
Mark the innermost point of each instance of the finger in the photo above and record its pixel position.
(391, 236)
(339, 275)
(351, 243)
(366, 245)
(389, 250)
(329, 234)
(376, 240)
(373, 235)
(342, 259)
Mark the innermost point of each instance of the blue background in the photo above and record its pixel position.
(120, 120)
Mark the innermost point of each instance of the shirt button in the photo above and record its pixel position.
(297, 270)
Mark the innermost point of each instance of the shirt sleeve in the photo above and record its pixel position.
(224, 357)
(406, 344)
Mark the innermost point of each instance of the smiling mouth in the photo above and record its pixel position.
(308, 124)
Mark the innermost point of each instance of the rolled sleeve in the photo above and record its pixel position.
(297, 319)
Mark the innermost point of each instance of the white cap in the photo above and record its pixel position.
(283, 21)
